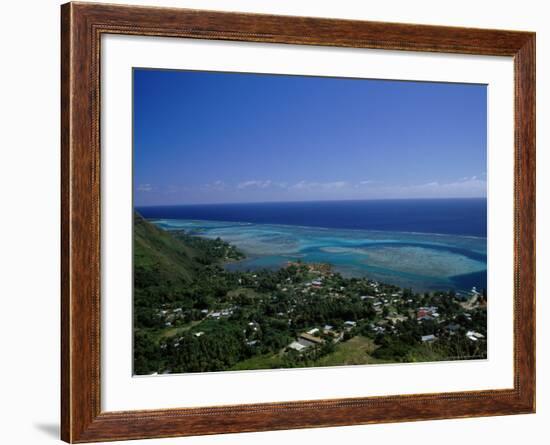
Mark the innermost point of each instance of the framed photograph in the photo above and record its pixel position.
(274, 222)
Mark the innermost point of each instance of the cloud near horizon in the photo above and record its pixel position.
(308, 185)
(258, 190)
(144, 188)
(472, 187)
(254, 184)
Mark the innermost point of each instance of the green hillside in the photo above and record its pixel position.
(175, 270)
(176, 277)
(160, 259)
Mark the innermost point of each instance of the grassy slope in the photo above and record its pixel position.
(265, 361)
(158, 253)
(427, 352)
(355, 351)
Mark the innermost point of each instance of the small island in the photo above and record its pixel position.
(193, 315)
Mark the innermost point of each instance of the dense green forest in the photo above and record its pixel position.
(191, 315)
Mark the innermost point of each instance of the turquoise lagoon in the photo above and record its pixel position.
(422, 261)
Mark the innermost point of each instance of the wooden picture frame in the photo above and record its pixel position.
(82, 26)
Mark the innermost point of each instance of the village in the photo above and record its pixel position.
(317, 309)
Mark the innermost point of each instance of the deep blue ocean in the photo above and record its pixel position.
(426, 244)
(446, 216)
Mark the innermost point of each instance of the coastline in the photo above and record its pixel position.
(304, 314)
(460, 216)
(428, 264)
(379, 231)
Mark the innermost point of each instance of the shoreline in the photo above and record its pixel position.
(345, 263)
(320, 228)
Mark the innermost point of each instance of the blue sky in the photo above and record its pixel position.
(204, 137)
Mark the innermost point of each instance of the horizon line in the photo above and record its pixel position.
(308, 201)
